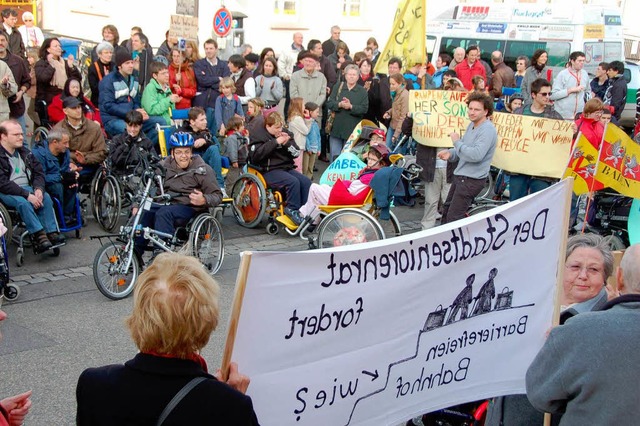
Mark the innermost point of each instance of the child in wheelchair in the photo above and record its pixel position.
(128, 148)
(190, 184)
(346, 192)
(236, 148)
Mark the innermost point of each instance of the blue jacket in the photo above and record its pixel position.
(118, 96)
(208, 81)
(52, 168)
(313, 138)
(383, 183)
(225, 109)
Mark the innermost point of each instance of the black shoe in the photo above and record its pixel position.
(56, 238)
(315, 169)
(40, 242)
(323, 159)
(294, 215)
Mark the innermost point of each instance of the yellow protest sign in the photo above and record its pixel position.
(437, 114)
(532, 145)
(408, 36)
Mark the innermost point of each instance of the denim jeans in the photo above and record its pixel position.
(35, 220)
(66, 197)
(335, 147)
(523, 185)
(164, 218)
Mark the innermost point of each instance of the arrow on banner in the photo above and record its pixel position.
(374, 375)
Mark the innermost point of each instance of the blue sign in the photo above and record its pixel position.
(489, 28)
(222, 21)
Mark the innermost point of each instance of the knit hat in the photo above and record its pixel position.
(252, 57)
(122, 56)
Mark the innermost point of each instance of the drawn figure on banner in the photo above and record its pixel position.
(631, 166)
(615, 153)
(486, 295)
(588, 171)
(462, 302)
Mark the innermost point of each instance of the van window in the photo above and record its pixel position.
(597, 52)
(627, 75)
(448, 44)
(431, 45)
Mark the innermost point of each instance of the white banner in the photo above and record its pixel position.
(381, 332)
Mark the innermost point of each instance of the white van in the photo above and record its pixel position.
(518, 29)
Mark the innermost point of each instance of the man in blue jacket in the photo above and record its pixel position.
(209, 71)
(119, 94)
(60, 174)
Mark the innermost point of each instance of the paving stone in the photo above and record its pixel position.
(38, 280)
(74, 274)
(61, 271)
(58, 278)
(47, 275)
(20, 283)
(21, 277)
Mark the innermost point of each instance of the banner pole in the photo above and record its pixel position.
(561, 261)
(241, 282)
(593, 181)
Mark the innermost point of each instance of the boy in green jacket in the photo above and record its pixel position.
(157, 98)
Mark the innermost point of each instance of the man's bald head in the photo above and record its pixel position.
(496, 57)
(629, 271)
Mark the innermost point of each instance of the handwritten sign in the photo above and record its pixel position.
(369, 335)
(183, 26)
(529, 145)
(437, 114)
(345, 167)
(532, 145)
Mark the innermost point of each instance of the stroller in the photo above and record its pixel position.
(7, 290)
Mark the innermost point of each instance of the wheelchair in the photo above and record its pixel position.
(17, 233)
(116, 265)
(8, 290)
(41, 132)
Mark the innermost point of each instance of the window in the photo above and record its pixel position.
(286, 7)
(351, 8)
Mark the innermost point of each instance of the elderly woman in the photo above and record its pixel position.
(32, 36)
(99, 68)
(175, 310)
(273, 151)
(52, 72)
(350, 102)
(588, 264)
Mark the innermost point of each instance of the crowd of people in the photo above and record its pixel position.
(232, 109)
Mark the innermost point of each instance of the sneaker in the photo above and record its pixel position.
(40, 242)
(56, 238)
(224, 193)
(294, 215)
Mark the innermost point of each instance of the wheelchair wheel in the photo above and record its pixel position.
(108, 204)
(272, 228)
(487, 190)
(249, 200)
(390, 227)
(348, 226)
(481, 208)
(208, 242)
(11, 292)
(8, 223)
(108, 275)
(96, 185)
(40, 134)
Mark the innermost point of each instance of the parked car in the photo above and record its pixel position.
(632, 75)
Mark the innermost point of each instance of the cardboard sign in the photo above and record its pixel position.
(183, 26)
(380, 332)
(437, 114)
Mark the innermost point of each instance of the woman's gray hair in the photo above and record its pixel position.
(104, 45)
(352, 67)
(596, 242)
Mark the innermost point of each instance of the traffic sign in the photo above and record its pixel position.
(222, 21)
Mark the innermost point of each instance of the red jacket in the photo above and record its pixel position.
(592, 129)
(187, 84)
(466, 73)
(56, 113)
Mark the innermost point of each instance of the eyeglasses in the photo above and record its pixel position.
(590, 270)
(545, 94)
(182, 153)
(28, 20)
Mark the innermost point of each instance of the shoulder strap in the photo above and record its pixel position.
(178, 397)
(98, 70)
(339, 90)
(549, 75)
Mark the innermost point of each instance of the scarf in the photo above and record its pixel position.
(60, 75)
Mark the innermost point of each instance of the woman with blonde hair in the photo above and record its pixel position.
(191, 52)
(255, 116)
(175, 310)
(299, 127)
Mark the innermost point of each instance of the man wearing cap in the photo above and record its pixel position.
(119, 94)
(86, 142)
(309, 83)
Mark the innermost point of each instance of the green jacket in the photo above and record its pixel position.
(156, 101)
(347, 119)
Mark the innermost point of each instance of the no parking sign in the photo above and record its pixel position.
(222, 21)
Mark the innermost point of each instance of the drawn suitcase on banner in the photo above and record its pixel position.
(435, 319)
(504, 299)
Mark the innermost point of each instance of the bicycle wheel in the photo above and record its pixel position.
(249, 200)
(390, 227)
(108, 272)
(208, 242)
(348, 226)
(109, 204)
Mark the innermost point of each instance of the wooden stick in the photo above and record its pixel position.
(555, 320)
(241, 281)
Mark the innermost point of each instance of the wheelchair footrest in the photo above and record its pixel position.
(287, 222)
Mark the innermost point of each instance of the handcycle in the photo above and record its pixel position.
(116, 265)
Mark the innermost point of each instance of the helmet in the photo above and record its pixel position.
(181, 140)
(515, 97)
(382, 150)
(378, 132)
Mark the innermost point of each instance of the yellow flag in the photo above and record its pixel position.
(619, 166)
(408, 36)
(582, 167)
